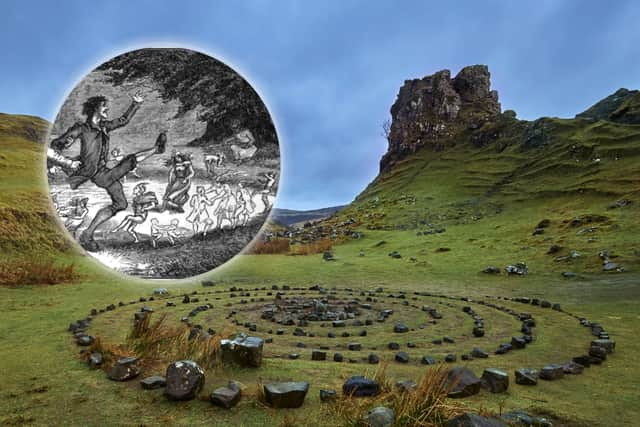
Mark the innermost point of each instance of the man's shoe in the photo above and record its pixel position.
(161, 143)
(88, 243)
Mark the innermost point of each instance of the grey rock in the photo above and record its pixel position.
(226, 397)
(185, 379)
(380, 416)
(464, 382)
(243, 351)
(359, 386)
(526, 376)
(286, 394)
(495, 380)
(153, 382)
(551, 372)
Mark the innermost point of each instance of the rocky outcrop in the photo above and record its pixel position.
(430, 111)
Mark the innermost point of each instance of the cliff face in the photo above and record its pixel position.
(430, 111)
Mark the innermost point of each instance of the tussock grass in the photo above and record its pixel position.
(317, 247)
(33, 272)
(273, 246)
(426, 406)
(158, 342)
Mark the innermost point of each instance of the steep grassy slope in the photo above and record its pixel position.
(490, 199)
(27, 223)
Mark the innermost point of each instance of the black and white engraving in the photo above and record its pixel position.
(163, 163)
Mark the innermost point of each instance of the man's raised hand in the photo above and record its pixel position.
(137, 97)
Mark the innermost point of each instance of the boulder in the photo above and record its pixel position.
(380, 416)
(526, 376)
(518, 269)
(495, 380)
(96, 359)
(552, 372)
(608, 344)
(572, 368)
(462, 382)
(184, 380)
(226, 397)
(328, 395)
(491, 270)
(402, 357)
(243, 351)
(359, 386)
(153, 382)
(426, 360)
(286, 394)
(126, 368)
(354, 346)
(400, 328)
(479, 354)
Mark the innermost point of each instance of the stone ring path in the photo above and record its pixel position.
(343, 324)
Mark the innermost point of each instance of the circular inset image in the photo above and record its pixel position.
(163, 163)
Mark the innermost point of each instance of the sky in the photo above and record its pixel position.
(330, 71)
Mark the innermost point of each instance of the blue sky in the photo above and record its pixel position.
(329, 71)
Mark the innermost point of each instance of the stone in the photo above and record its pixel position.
(406, 385)
(85, 340)
(519, 269)
(337, 357)
(185, 379)
(518, 342)
(469, 419)
(359, 386)
(552, 372)
(160, 291)
(584, 361)
(478, 332)
(521, 418)
(226, 397)
(244, 351)
(402, 357)
(153, 382)
(526, 376)
(393, 346)
(318, 355)
(495, 380)
(96, 359)
(400, 328)
(328, 395)
(373, 359)
(450, 358)
(572, 368)
(294, 356)
(479, 354)
(462, 382)
(380, 416)
(598, 352)
(426, 360)
(354, 346)
(125, 368)
(448, 340)
(286, 394)
(491, 270)
(608, 344)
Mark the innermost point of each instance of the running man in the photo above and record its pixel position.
(91, 164)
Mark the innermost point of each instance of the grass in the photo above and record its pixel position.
(16, 273)
(489, 206)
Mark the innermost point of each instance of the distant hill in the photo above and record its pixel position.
(291, 217)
